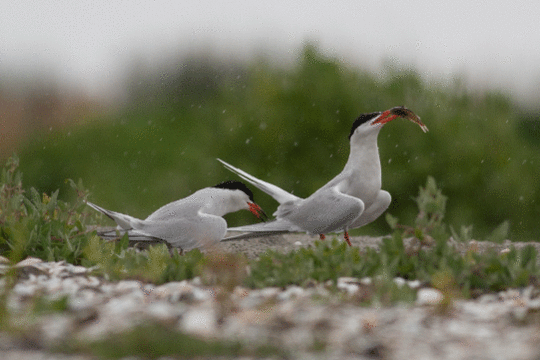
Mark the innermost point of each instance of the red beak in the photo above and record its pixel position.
(257, 211)
(401, 112)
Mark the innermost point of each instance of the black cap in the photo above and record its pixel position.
(235, 185)
(362, 119)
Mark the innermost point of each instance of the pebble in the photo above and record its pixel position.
(400, 281)
(366, 281)
(200, 321)
(30, 261)
(295, 317)
(428, 296)
(349, 287)
(414, 284)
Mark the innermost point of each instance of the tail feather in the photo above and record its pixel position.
(274, 191)
(251, 235)
(272, 226)
(133, 235)
(275, 227)
(126, 222)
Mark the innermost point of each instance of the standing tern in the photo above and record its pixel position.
(191, 222)
(350, 200)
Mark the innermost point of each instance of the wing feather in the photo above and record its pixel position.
(327, 210)
(274, 191)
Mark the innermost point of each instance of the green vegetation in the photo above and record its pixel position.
(289, 126)
(156, 341)
(42, 226)
(474, 273)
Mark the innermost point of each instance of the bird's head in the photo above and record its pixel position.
(373, 121)
(243, 198)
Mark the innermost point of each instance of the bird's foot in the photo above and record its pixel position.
(347, 239)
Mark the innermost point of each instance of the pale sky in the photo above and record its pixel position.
(89, 43)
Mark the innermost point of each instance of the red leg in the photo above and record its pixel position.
(347, 239)
(322, 237)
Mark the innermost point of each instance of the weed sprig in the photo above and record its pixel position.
(42, 226)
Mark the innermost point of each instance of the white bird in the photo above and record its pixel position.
(192, 222)
(350, 200)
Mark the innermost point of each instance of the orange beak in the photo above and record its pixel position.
(402, 112)
(257, 211)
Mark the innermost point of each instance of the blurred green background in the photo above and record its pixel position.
(288, 124)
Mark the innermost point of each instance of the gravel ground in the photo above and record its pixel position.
(311, 322)
(285, 243)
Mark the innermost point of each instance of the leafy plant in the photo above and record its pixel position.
(269, 119)
(118, 261)
(427, 257)
(43, 226)
(39, 225)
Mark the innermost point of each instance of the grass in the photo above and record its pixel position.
(152, 341)
(275, 121)
(39, 225)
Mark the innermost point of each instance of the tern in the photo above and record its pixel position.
(192, 222)
(350, 200)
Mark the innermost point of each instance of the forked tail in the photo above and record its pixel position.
(126, 222)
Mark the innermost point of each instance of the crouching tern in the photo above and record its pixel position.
(192, 222)
(350, 200)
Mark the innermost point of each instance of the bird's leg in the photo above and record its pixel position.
(347, 239)
(322, 237)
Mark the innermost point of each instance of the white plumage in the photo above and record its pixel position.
(350, 200)
(192, 222)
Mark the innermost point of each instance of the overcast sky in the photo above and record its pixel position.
(88, 43)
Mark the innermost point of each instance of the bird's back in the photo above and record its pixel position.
(187, 232)
(183, 208)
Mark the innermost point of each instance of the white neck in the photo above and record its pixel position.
(363, 168)
(364, 154)
(223, 201)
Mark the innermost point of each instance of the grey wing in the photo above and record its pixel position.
(327, 210)
(286, 209)
(181, 208)
(275, 227)
(274, 191)
(187, 233)
(251, 235)
(278, 225)
(372, 212)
